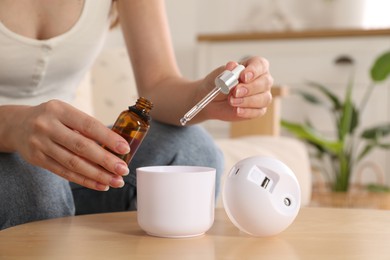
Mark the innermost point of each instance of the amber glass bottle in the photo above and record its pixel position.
(133, 125)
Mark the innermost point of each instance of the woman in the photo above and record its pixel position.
(46, 47)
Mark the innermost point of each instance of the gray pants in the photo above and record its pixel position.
(29, 193)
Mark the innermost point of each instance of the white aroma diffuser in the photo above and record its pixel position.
(261, 196)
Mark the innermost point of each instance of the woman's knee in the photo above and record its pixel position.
(30, 193)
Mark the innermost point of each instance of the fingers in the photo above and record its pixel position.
(74, 139)
(261, 84)
(86, 181)
(255, 67)
(90, 150)
(90, 127)
(259, 100)
(247, 113)
(253, 94)
(76, 169)
(69, 147)
(65, 162)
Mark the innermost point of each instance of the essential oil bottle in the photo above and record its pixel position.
(133, 125)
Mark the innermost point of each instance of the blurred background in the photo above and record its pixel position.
(190, 18)
(326, 41)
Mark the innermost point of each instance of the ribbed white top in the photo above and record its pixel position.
(34, 71)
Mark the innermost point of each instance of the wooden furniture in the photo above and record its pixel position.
(317, 233)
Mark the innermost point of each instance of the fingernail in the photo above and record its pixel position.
(117, 182)
(248, 76)
(240, 111)
(236, 101)
(121, 169)
(123, 148)
(240, 92)
(102, 187)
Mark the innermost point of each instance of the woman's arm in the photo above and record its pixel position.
(147, 36)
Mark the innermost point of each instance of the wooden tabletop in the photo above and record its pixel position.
(317, 233)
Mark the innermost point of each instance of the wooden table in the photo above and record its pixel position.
(317, 233)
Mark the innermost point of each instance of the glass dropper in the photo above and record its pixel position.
(223, 83)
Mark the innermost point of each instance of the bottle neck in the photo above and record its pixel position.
(142, 108)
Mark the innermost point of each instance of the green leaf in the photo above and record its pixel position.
(327, 93)
(355, 120)
(309, 97)
(384, 146)
(381, 67)
(374, 133)
(369, 147)
(346, 125)
(307, 133)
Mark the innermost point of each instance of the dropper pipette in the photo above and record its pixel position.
(223, 83)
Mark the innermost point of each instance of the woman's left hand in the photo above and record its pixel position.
(249, 99)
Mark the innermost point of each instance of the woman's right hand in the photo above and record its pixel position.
(58, 137)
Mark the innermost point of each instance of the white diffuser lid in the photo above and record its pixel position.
(261, 196)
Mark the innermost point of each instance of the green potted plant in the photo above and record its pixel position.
(341, 154)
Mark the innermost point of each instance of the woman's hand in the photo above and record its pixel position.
(64, 140)
(249, 99)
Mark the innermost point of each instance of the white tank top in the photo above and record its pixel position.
(34, 71)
